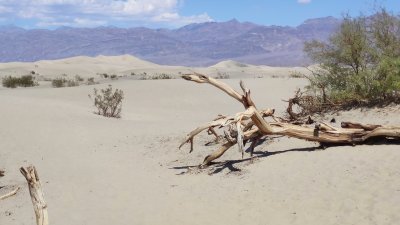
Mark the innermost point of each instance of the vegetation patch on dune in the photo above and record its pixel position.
(23, 81)
(78, 80)
(360, 64)
(62, 82)
(108, 101)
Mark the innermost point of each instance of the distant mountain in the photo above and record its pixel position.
(201, 44)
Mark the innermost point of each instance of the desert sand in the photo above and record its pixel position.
(97, 170)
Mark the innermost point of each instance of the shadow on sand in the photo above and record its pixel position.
(218, 167)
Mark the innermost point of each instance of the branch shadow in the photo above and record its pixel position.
(230, 165)
(218, 167)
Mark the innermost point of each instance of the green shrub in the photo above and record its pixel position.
(58, 82)
(104, 75)
(360, 62)
(23, 81)
(62, 82)
(72, 83)
(27, 81)
(90, 81)
(10, 82)
(108, 102)
(162, 76)
(222, 76)
(79, 78)
(296, 74)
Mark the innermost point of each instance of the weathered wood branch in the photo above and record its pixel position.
(349, 133)
(9, 194)
(227, 145)
(36, 192)
(6, 189)
(359, 126)
(199, 78)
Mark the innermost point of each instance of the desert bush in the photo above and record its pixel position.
(79, 78)
(90, 81)
(58, 82)
(104, 75)
(108, 102)
(360, 62)
(23, 81)
(72, 83)
(27, 81)
(162, 76)
(62, 82)
(222, 76)
(142, 77)
(296, 74)
(113, 76)
(10, 82)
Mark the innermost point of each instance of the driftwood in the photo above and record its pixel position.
(36, 192)
(250, 125)
(8, 193)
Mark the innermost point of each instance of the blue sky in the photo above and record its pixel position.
(175, 13)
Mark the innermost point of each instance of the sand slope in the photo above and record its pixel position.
(102, 171)
(126, 65)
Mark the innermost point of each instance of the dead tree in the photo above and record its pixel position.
(250, 125)
(36, 192)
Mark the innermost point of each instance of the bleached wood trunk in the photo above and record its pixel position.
(36, 192)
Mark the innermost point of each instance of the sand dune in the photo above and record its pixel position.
(81, 65)
(97, 170)
(126, 64)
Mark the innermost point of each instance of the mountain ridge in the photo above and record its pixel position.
(201, 44)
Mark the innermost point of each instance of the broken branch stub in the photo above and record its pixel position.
(349, 133)
(36, 193)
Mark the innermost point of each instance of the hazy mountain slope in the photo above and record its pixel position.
(192, 45)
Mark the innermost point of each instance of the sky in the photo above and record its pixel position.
(51, 14)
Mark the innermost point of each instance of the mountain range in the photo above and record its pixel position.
(200, 44)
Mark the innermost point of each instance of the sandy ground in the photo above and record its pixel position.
(97, 170)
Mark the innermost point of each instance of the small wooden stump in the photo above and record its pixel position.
(35, 190)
